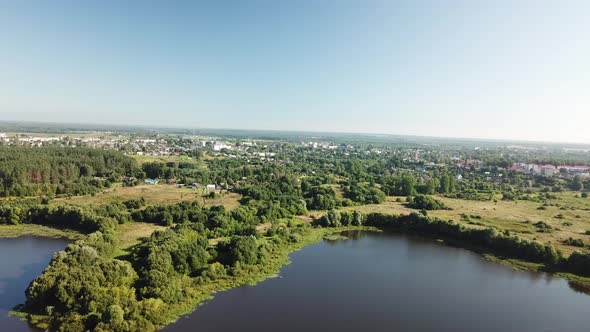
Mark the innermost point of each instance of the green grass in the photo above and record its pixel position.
(515, 216)
(153, 194)
(131, 233)
(335, 237)
(516, 264)
(165, 159)
(12, 231)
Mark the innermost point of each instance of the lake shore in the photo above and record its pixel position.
(12, 231)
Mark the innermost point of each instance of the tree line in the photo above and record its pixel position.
(50, 171)
(500, 243)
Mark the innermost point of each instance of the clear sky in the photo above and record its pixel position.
(490, 69)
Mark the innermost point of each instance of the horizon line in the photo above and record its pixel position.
(177, 127)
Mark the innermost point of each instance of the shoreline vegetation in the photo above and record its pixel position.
(206, 291)
(271, 270)
(14, 231)
(544, 260)
(496, 246)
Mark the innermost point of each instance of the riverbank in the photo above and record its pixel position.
(499, 247)
(12, 231)
(197, 290)
(579, 283)
(281, 259)
(278, 260)
(397, 280)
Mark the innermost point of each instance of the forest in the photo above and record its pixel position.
(51, 171)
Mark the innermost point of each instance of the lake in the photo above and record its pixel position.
(389, 282)
(21, 260)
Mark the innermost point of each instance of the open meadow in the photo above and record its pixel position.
(566, 216)
(153, 195)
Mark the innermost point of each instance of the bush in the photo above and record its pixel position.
(489, 238)
(578, 263)
(543, 227)
(574, 242)
(423, 202)
(135, 203)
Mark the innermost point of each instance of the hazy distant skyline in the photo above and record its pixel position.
(475, 69)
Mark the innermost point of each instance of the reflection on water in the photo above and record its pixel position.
(21, 260)
(354, 235)
(579, 287)
(387, 282)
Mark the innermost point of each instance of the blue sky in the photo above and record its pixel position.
(487, 69)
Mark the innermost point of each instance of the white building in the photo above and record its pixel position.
(218, 146)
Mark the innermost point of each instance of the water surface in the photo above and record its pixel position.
(389, 282)
(21, 260)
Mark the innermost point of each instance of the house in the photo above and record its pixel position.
(473, 163)
(210, 187)
(514, 168)
(575, 169)
(548, 170)
(218, 146)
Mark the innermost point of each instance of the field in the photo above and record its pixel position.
(154, 194)
(567, 215)
(164, 159)
(10, 231)
(132, 233)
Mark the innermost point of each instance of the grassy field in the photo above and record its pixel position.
(567, 215)
(229, 200)
(10, 231)
(153, 194)
(132, 233)
(128, 234)
(165, 159)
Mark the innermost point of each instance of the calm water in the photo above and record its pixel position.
(387, 282)
(21, 260)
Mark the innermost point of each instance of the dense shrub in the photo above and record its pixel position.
(489, 238)
(423, 202)
(364, 194)
(574, 242)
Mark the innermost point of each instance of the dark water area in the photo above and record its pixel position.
(21, 260)
(389, 282)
